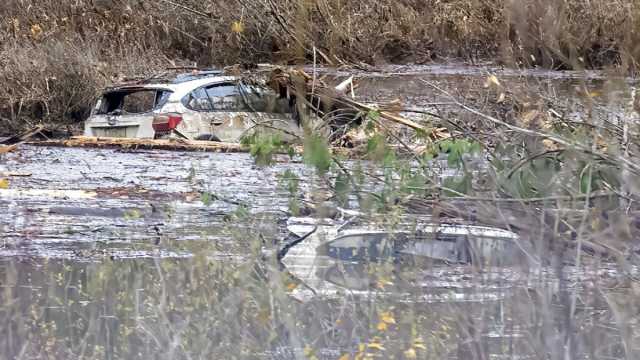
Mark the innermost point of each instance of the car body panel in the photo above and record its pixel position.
(134, 126)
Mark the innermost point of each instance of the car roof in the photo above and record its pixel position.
(184, 88)
(450, 229)
(180, 85)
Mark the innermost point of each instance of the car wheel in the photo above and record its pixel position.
(207, 137)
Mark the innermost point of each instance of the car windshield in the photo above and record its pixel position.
(138, 101)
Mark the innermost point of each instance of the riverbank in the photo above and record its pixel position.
(56, 57)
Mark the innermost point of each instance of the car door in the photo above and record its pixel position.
(228, 111)
(268, 112)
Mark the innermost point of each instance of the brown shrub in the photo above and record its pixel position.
(56, 55)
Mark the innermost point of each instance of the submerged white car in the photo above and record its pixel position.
(334, 259)
(202, 105)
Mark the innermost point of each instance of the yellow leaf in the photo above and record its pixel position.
(601, 143)
(549, 144)
(7, 148)
(411, 354)
(309, 353)
(382, 326)
(529, 117)
(419, 344)
(264, 316)
(345, 357)
(387, 317)
(132, 214)
(492, 80)
(4, 184)
(382, 282)
(16, 24)
(375, 344)
(237, 27)
(36, 31)
(291, 286)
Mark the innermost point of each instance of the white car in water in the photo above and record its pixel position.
(201, 105)
(333, 258)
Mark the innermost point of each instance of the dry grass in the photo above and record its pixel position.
(56, 55)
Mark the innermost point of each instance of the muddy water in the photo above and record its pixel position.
(118, 255)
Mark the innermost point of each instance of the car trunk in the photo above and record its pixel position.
(126, 112)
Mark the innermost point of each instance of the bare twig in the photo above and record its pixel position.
(615, 159)
(186, 8)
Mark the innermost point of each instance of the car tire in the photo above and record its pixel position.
(208, 137)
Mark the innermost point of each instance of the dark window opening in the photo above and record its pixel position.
(133, 102)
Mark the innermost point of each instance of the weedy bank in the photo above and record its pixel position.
(55, 57)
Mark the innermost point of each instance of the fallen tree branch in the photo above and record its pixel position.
(17, 139)
(186, 8)
(171, 144)
(616, 159)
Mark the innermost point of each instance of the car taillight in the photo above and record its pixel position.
(166, 122)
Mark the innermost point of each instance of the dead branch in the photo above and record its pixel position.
(615, 159)
(186, 8)
(22, 137)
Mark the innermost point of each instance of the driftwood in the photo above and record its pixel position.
(11, 143)
(7, 148)
(20, 138)
(191, 145)
(133, 143)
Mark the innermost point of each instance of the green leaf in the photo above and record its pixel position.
(316, 153)
(290, 181)
(475, 148)
(377, 150)
(294, 207)
(207, 198)
(373, 115)
(263, 146)
(342, 188)
(458, 185)
(454, 159)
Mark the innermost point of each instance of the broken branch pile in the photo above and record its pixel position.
(337, 110)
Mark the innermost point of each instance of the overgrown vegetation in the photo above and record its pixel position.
(56, 56)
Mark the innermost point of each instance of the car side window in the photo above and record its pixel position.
(226, 97)
(263, 99)
(198, 100)
(162, 96)
(235, 98)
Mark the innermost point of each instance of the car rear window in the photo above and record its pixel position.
(133, 101)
